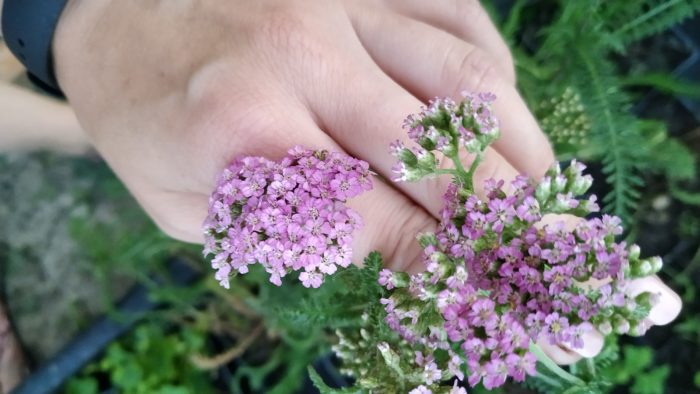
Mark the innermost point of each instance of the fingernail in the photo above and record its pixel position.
(669, 306)
(558, 354)
(593, 342)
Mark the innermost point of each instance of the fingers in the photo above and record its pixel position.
(558, 354)
(664, 312)
(391, 220)
(429, 62)
(669, 305)
(593, 342)
(463, 19)
(370, 121)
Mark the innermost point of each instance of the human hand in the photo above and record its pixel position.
(170, 92)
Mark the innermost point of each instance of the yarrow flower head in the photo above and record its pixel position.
(496, 280)
(443, 127)
(287, 216)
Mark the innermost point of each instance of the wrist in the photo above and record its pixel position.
(28, 28)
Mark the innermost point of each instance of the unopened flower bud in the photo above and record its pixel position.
(400, 279)
(407, 157)
(439, 257)
(473, 145)
(564, 203)
(543, 190)
(364, 334)
(648, 299)
(642, 268)
(427, 239)
(621, 325)
(589, 205)
(390, 357)
(575, 169)
(581, 184)
(426, 161)
(656, 264)
(605, 328)
(559, 184)
(633, 253)
(641, 327)
(554, 170)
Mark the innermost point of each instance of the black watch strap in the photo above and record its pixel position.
(28, 27)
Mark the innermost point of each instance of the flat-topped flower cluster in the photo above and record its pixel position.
(496, 280)
(506, 269)
(287, 216)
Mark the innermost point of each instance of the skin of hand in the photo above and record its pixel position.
(30, 121)
(171, 91)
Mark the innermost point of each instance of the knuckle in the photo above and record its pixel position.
(481, 72)
(471, 69)
(224, 122)
(472, 12)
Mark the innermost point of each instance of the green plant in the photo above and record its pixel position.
(637, 370)
(148, 361)
(583, 98)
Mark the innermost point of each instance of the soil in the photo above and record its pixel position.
(47, 282)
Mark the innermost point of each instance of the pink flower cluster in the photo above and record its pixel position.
(287, 216)
(445, 126)
(469, 120)
(495, 280)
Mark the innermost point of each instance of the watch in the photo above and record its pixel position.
(28, 27)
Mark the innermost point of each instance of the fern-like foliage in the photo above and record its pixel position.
(613, 135)
(303, 320)
(582, 100)
(630, 21)
(625, 150)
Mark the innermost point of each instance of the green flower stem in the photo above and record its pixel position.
(475, 164)
(446, 172)
(574, 368)
(591, 367)
(553, 367)
(466, 177)
(550, 381)
(459, 167)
